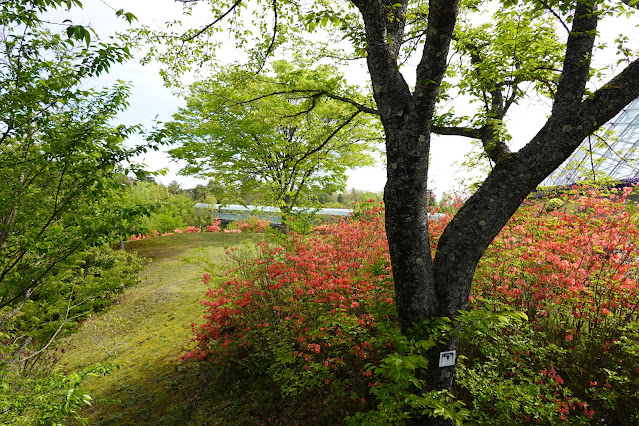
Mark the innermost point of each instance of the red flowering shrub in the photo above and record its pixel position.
(315, 315)
(307, 313)
(192, 229)
(253, 224)
(574, 272)
(214, 226)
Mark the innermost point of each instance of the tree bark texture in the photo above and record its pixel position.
(426, 288)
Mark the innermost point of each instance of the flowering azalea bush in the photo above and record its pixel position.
(574, 272)
(214, 226)
(253, 224)
(144, 236)
(311, 314)
(552, 335)
(192, 229)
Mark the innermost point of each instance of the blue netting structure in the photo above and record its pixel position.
(613, 152)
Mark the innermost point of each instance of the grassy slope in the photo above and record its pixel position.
(145, 332)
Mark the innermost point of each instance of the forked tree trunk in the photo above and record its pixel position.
(416, 286)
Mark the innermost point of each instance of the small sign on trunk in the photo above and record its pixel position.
(447, 359)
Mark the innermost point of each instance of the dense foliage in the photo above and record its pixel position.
(167, 211)
(260, 137)
(60, 153)
(63, 176)
(552, 336)
(35, 388)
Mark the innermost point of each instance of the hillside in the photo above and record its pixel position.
(145, 331)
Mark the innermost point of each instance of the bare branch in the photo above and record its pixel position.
(64, 321)
(206, 27)
(271, 46)
(467, 132)
(549, 9)
(16, 310)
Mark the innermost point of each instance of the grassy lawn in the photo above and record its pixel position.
(145, 331)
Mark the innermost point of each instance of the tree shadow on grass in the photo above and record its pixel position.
(188, 393)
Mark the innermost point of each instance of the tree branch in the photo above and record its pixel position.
(516, 174)
(271, 46)
(549, 9)
(64, 321)
(326, 141)
(611, 98)
(467, 132)
(206, 27)
(315, 94)
(16, 310)
(389, 87)
(579, 47)
(442, 16)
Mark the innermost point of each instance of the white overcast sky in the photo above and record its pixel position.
(150, 100)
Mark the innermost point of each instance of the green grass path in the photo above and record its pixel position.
(145, 331)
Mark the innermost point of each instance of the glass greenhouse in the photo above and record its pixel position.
(613, 151)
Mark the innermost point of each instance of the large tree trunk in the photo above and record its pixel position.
(416, 288)
(407, 117)
(419, 292)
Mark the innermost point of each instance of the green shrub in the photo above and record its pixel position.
(84, 285)
(553, 204)
(46, 395)
(34, 389)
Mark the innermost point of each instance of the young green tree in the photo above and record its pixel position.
(60, 195)
(386, 33)
(259, 135)
(60, 154)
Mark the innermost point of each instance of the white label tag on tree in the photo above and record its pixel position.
(447, 359)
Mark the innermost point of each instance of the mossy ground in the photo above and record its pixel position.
(146, 330)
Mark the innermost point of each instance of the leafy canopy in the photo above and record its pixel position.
(60, 154)
(278, 133)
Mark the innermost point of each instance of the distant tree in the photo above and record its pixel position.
(174, 187)
(432, 200)
(348, 198)
(199, 192)
(325, 198)
(256, 141)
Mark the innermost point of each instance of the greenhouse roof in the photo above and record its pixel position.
(613, 152)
